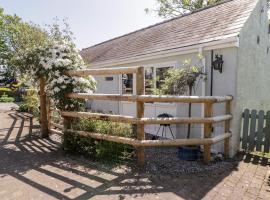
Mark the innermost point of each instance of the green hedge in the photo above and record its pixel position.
(6, 91)
(98, 149)
(11, 93)
(5, 98)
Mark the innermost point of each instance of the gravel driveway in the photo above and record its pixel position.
(35, 168)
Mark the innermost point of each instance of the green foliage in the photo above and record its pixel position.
(180, 80)
(76, 144)
(44, 52)
(5, 98)
(7, 91)
(174, 8)
(20, 40)
(15, 93)
(97, 149)
(30, 102)
(104, 127)
(17, 37)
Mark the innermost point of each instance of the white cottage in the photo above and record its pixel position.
(236, 31)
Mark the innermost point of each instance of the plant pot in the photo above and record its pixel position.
(189, 153)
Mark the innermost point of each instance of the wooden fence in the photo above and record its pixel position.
(256, 130)
(140, 98)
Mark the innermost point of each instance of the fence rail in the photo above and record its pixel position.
(145, 120)
(140, 98)
(154, 143)
(151, 98)
(103, 72)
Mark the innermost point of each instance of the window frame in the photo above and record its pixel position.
(173, 64)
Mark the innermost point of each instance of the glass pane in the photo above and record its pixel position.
(149, 75)
(127, 84)
(161, 75)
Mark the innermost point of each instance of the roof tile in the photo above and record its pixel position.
(214, 23)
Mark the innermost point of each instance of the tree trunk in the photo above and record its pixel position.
(43, 109)
(189, 112)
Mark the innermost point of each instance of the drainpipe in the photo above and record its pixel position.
(212, 73)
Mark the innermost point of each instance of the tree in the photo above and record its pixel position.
(17, 37)
(174, 8)
(179, 81)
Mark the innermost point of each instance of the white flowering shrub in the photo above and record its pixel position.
(53, 62)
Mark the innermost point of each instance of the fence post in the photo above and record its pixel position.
(227, 129)
(66, 124)
(208, 107)
(43, 109)
(49, 113)
(140, 113)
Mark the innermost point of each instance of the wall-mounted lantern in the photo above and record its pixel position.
(218, 63)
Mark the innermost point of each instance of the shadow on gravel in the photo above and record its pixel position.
(41, 164)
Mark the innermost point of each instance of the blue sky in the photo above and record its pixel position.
(92, 21)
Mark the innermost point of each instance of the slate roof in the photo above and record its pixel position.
(219, 22)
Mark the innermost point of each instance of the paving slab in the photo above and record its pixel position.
(36, 168)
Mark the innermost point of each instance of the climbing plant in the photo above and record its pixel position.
(178, 81)
(181, 80)
(51, 62)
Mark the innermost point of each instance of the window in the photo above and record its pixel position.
(154, 77)
(149, 78)
(160, 76)
(109, 78)
(127, 84)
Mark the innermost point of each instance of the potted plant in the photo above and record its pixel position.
(180, 81)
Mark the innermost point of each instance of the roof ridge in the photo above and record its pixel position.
(162, 22)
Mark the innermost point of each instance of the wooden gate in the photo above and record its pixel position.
(256, 130)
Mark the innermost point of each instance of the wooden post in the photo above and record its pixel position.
(66, 124)
(140, 113)
(208, 108)
(43, 109)
(227, 130)
(49, 114)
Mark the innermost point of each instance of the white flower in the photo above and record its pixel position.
(88, 91)
(76, 90)
(56, 89)
(60, 80)
(57, 73)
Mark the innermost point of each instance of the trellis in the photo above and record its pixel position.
(140, 121)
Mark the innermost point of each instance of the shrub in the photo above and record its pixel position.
(30, 102)
(15, 93)
(5, 98)
(23, 108)
(97, 149)
(6, 91)
(73, 143)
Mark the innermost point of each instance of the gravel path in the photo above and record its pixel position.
(166, 161)
(8, 106)
(36, 168)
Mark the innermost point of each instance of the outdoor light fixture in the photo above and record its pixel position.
(218, 63)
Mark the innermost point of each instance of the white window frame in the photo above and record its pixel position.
(174, 64)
